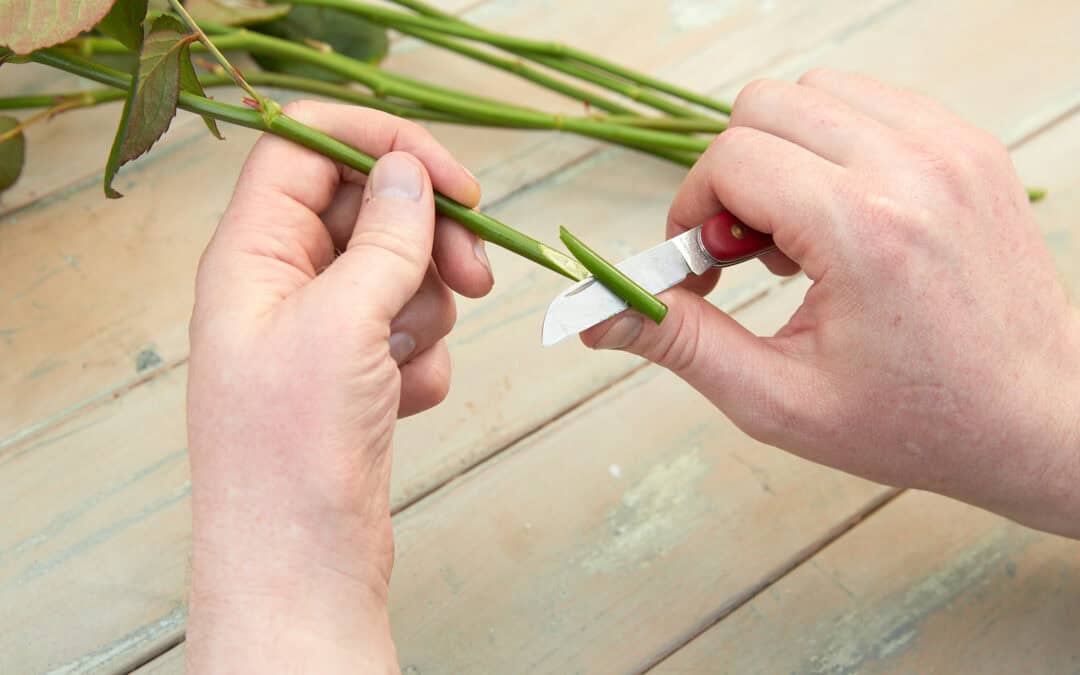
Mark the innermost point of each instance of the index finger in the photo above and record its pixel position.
(770, 184)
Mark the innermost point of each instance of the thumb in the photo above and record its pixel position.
(744, 375)
(389, 251)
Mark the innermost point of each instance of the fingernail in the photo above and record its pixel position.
(480, 251)
(621, 334)
(401, 346)
(470, 174)
(396, 177)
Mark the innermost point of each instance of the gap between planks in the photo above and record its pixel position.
(798, 560)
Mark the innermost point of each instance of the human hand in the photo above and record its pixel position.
(936, 348)
(302, 359)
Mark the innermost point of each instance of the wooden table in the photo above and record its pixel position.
(564, 511)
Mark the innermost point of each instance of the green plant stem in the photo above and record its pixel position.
(282, 125)
(329, 90)
(214, 51)
(275, 80)
(552, 55)
(684, 125)
(519, 68)
(426, 10)
(81, 98)
(675, 147)
(614, 279)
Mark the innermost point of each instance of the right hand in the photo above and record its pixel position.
(936, 348)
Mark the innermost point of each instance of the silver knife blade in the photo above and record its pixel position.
(588, 302)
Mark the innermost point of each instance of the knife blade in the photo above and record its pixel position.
(721, 241)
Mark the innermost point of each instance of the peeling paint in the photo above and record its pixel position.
(879, 632)
(695, 14)
(649, 520)
(146, 359)
(149, 635)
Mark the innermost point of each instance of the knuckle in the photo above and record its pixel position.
(439, 382)
(677, 349)
(752, 92)
(448, 315)
(384, 240)
(889, 232)
(302, 109)
(733, 141)
(816, 76)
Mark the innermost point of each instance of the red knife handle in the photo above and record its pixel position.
(730, 242)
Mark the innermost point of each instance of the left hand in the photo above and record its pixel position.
(321, 307)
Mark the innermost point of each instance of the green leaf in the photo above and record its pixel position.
(151, 102)
(124, 22)
(26, 25)
(12, 153)
(343, 32)
(234, 12)
(189, 82)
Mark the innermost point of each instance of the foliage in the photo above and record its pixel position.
(151, 103)
(325, 29)
(12, 151)
(26, 25)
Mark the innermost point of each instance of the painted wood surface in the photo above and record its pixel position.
(92, 574)
(924, 585)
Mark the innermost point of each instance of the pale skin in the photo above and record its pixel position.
(936, 348)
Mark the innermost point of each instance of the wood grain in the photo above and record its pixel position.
(92, 574)
(924, 585)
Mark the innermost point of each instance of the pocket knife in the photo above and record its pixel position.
(721, 241)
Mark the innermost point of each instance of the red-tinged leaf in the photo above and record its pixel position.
(26, 25)
(189, 82)
(12, 153)
(124, 22)
(235, 12)
(151, 102)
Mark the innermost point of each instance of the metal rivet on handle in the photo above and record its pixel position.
(737, 231)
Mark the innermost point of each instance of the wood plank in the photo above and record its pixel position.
(924, 585)
(52, 368)
(36, 469)
(169, 663)
(955, 58)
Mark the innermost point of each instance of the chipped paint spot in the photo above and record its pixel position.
(44, 368)
(144, 636)
(615, 470)
(695, 14)
(872, 634)
(147, 359)
(651, 518)
(42, 567)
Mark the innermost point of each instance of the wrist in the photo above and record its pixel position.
(1063, 477)
(1053, 502)
(270, 588)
